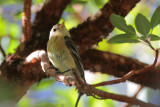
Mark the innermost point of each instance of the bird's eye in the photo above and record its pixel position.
(54, 30)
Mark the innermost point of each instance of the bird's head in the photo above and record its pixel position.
(59, 30)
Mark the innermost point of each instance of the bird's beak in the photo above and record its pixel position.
(62, 25)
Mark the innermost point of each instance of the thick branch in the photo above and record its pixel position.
(85, 35)
(14, 82)
(117, 65)
(90, 32)
(48, 16)
(17, 75)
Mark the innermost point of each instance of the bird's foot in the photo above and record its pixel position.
(56, 69)
(63, 72)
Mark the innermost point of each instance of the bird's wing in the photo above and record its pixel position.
(75, 54)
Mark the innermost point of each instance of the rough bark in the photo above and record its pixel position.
(94, 28)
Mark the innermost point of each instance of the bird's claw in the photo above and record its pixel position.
(56, 69)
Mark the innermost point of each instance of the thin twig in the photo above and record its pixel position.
(3, 53)
(138, 90)
(135, 95)
(26, 21)
(131, 73)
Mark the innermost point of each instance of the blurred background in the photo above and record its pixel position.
(54, 94)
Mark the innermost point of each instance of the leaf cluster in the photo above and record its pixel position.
(143, 26)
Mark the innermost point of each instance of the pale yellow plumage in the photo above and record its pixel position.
(59, 55)
(62, 52)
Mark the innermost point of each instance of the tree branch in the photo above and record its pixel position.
(89, 90)
(26, 21)
(91, 31)
(117, 65)
(131, 73)
(48, 16)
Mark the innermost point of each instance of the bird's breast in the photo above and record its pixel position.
(59, 54)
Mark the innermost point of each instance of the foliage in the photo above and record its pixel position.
(143, 26)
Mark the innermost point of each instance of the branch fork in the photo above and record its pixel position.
(84, 88)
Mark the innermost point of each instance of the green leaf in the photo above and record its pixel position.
(123, 38)
(142, 24)
(155, 20)
(118, 21)
(130, 30)
(153, 37)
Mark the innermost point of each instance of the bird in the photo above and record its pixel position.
(63, 53)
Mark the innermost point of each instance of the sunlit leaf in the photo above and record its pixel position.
(118, 21)
(130, 30)
(154, 37)
(142, 24)
(155, 20)
(123, 38)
